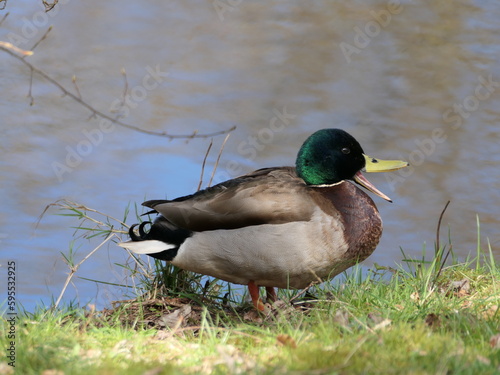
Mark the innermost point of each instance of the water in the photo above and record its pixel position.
(418, 82)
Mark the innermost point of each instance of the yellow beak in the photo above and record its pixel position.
(377, 165)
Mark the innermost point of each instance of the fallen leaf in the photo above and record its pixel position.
(282, 308)
(52, 372)
(432, 320)
(90, 353)
(234, 361)
(491, 312)
(175, 318)
(466, 304)
(462, 285)
(495, 341)
(6, 369)
(286, 340)
(383, 324)
(375, 318)
(163, 335)
(459, 288)
(122, 348)
(341, 318)
(483, 360)
(253, 316)
(153, 371)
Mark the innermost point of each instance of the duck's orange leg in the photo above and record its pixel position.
(254, 293)
(271, 294)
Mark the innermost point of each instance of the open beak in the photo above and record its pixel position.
(377, 165)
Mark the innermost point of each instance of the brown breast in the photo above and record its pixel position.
(360, 217)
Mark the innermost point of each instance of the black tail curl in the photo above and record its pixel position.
(143, 236)
(164, 231)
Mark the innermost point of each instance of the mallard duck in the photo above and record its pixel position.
(279, 227)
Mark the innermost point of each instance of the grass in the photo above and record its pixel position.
(367, 326)
(421, 318)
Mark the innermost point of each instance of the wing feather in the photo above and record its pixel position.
(265, 196)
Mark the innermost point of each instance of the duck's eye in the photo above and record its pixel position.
(346, 151)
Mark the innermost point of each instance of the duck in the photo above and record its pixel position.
(280, 227)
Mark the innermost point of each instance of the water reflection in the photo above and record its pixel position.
(418, 73)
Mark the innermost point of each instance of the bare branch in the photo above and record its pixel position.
(9, 48)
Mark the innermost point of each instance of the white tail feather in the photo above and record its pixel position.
(146, 247)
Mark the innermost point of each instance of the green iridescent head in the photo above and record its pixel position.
(332, 155)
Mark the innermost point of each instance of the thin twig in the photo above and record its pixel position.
(125, 90)
(121, 105)
(44, 36)
(137, 263)
(73, 79)
(218, 159)
(194, 134)
(203, 164)
(6, 14)
(49, 6)
(30, 95)
(123, 72)
(303, 291)
(73, 270)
